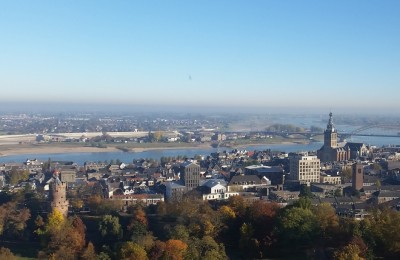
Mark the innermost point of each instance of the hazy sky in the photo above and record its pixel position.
(297, 54)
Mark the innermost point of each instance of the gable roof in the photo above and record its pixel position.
(242, 179)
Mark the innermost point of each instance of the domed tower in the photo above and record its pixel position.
(58, 196)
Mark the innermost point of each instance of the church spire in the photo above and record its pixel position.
(330, 123)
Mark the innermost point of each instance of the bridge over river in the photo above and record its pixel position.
(361, 131)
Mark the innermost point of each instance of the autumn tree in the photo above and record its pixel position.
(15, 176)
(326, 218)
(137, 228)
(238, 204)
(102, 206)
(13, 219)
(62, 238)
(89, 253)
(157, 251)
(132, 251)
(349, 252)
(262, 215)
(210, 249)
(77, 204)
(381, 232)
(155, 136)
(175, 249)
(6, 254)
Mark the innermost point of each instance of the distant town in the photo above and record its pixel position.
(352, 178)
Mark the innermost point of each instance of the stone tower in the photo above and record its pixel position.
(358, 176)
(330, 134)
(58, 196)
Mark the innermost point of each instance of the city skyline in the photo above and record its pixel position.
(298, 56)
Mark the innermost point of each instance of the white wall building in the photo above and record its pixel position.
(304, 168)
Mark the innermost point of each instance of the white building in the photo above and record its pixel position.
(305, 169)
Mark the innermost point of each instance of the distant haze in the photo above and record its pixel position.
(47, 107)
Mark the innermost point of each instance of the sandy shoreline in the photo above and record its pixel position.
(16, 150)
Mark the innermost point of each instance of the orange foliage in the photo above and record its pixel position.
(175, 249)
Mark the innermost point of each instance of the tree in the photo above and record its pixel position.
(156, 136)
(180, 232)
(378, 184)
(69, 239)
(77, 204)
(384, 225)
(79, 227)
(305, 191)
(326, 218)
(15, 176)
(137, 227)
(205, 248)
(175, 249)
(226, 213)
(297, 227)
(157, 251)
(6, 254)
(346, 174)
(376, 167)
(13, 220)
(303, 202)
(130, 250)
(238, 204)
(110, 229)
(103, 207)
(55, 221)
(89, 253)
(263, 217)
(349, 252)
(248, 243)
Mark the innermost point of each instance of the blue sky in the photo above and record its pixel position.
(319, 55)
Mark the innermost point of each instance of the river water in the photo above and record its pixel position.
(127, 157)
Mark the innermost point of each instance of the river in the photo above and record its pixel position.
(127, 157)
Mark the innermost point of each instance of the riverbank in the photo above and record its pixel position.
(58, 148)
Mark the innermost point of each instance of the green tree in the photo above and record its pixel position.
(180, 232)
(326, 218)
(305, 191)
(297, 228)
(349, 252)
(13, 219)
(15, 176)
(130, 250)
(248, 243)
(110, 228)
(346, 174)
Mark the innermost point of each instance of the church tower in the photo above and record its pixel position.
(330, 134)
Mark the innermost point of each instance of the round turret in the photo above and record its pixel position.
(58, 196)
